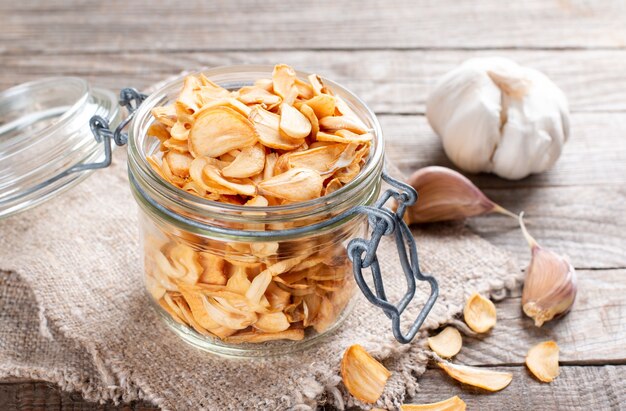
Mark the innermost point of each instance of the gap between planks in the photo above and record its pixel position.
(320, 24)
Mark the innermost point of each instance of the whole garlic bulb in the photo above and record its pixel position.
(494, 115)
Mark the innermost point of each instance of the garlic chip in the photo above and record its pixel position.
(272, 322)
(268, 126)
(166, 115)
(214, 174)
(477, 377)
(284, 82)
(294, 123)
(310, 115)
(447, 343)
(321, 159)
(187, 101)
(479, 313)
(364, 377)
(336, 123)
(451, 404)
(249, 162)
(258, 95)
(220, 130)
(344, 136)
(317, 85)
(323, 105)
(297, 184)
(212, 269)
(305, 90)
(178, 163)
(543, 361)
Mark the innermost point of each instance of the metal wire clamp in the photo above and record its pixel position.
(129, 98)
(361, 252)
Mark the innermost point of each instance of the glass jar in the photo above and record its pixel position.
(233, 280)
(228, 277)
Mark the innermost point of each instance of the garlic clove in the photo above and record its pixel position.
(451, 404)
(550, 285)
(543, 361)
(364, 377)
(479, 313)
(477, 377)
(447, 343)
(445, 194)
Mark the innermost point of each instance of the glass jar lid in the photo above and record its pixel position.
(45, 133)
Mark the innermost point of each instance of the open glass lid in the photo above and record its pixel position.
(45, 137)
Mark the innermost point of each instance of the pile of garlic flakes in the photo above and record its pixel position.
(282, 139)
(279, 141)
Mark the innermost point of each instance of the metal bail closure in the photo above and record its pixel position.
(362, 253)
(129, 98)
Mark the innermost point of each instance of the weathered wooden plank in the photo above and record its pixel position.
(594, 155)
(585, 223)
(591, 333)
(38, 395)
(390, 81)
(54, 26)
(577, 388)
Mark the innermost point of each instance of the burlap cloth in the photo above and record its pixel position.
(73, 312)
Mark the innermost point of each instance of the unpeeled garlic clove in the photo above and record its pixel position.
(543, 361)
(364, 377)
(447, 343)
(496, 116)
(477, 377)
(445, 194)
(451, 404)
(550, 284)
(479, 313)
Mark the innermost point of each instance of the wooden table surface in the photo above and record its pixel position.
(390, 53)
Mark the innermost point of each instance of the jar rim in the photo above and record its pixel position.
(155, 186)
(25, 89)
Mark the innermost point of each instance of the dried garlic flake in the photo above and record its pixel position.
(451, 404)
(364, 377)
(479, 313)
(447, 343)
(543, 361)
(477, 377)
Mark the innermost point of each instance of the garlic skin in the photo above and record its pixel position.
(550, 285)
(494, 115)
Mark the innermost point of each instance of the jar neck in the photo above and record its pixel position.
(150, 188)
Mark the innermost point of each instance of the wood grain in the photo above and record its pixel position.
(591, 333)
(390, 81)
(595, 154)
(577, 388)
(38, 396)
(585, 223)
(116, 26)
